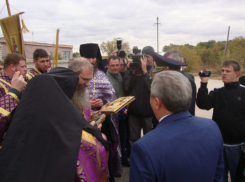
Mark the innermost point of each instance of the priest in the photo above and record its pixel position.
(48, 138)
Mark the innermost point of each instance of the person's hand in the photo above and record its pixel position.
(18, 82)
(143, 64)
(96, 102)
(114, 53)
(204, 79)
(94, 124)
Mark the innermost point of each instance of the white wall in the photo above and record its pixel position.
(61, 63)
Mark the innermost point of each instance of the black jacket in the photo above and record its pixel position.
(139, 85)
(194, 92)
(229, 109)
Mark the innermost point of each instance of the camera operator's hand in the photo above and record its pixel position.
(114, 53)
(204, 79)
(143, 64)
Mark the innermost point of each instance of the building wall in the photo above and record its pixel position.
(61, 63)
(49, 48)
(30, 47)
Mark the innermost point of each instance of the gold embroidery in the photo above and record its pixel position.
(37, 70)
(5, 82)
(88, 137)
(4, 112)
(4, 87)
(15, 96)
(29, 76)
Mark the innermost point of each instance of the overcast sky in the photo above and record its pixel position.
(85, 21)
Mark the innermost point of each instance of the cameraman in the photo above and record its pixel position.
(137, 83)
(228, 113)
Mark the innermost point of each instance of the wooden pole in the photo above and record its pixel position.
(226, 45)
(7, 3)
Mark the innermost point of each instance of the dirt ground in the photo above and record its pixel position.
(212, 83)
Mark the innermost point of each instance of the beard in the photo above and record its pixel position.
(80, 98)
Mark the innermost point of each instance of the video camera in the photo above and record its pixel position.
(136, 64)
(120, 53)
(204, 73)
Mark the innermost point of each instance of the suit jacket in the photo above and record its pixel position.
(181, 148)
(194, 92)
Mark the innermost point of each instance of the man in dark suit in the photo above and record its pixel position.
(176, 55)
(182, 147)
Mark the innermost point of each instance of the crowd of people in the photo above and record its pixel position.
(47, 132)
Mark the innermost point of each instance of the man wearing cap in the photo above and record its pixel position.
(101, 92)
(163, 63)
(176, 55)
(137, 83)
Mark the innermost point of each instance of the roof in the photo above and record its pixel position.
(39, 44)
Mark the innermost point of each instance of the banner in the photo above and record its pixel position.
(12, 34)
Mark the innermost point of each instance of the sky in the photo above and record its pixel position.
(135, 21)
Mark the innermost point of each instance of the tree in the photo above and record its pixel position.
(167, 48)
(75, 54)
(52, 56)
(193, 60)
(111, 46)
(236, 50)
(208, 44)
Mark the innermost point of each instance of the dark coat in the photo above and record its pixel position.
(194, 92)
(44, 136)
(139, 85)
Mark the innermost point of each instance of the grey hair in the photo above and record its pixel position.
(77, 64)
(174, 90)
(175, 54)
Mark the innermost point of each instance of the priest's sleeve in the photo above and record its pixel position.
(8, 103)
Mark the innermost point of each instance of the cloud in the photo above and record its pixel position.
(181, 22)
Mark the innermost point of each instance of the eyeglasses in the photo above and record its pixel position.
(85, 80)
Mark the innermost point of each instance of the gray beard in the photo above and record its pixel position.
(80, 98)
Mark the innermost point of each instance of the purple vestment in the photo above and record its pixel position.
(33, 72)
(101, 88)
(8, 102)
(92, 160)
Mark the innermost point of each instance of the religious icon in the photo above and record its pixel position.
(117, 105)
(15, 47)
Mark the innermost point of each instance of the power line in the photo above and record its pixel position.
(143, 37)
(14, 7)
(2, 8)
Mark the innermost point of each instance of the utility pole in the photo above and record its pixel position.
(226, 45)
(157, 37)
(7, 3)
